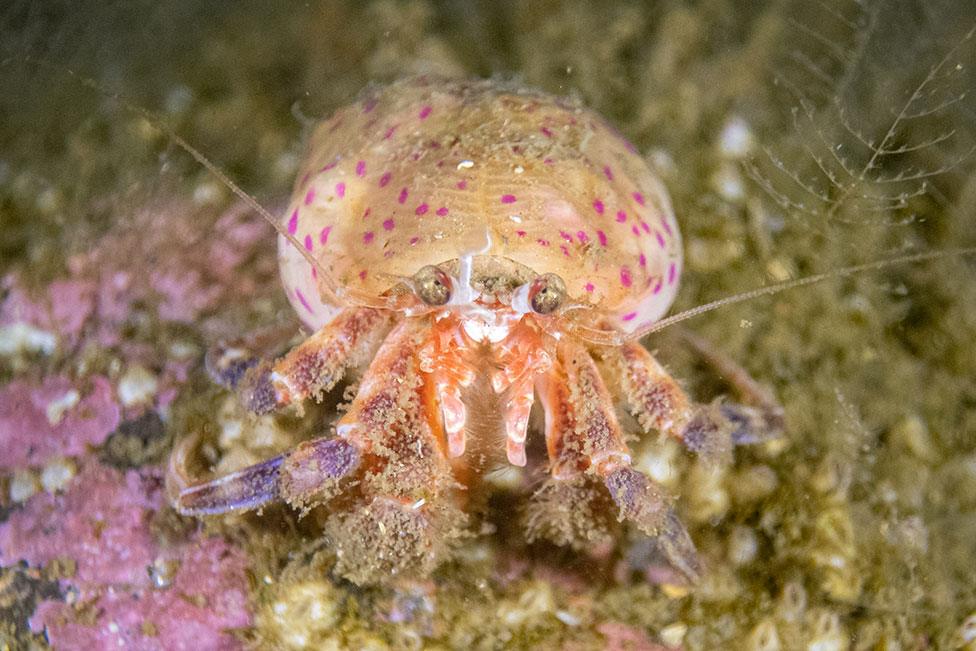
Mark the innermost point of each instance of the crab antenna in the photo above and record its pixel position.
(328, 284)
(769, 290)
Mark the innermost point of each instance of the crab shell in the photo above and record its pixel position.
(433, 171)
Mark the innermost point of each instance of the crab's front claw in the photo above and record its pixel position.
(244, 490)
(645, 505)
(305, 477)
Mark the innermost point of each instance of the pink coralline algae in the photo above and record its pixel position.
(59, 312)
(53, 418)
(102, 523)
(122, 583)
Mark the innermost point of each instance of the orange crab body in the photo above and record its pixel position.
(479, 244)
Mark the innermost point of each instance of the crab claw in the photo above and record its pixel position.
(645, 504)
(306, 476)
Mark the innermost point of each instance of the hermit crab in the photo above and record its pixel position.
(477, 247)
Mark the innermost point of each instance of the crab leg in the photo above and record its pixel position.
(409, 512)
(314, 366)
(658, 402)
(310, 471)
(228, 361)
(759, 420)
(585, 439)
(387, 428)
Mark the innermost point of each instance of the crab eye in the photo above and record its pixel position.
(547, 293)
(432, 285)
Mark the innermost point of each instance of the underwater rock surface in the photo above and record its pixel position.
(121, 261)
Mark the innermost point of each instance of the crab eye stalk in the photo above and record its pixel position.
(547, 293)
(432, 285)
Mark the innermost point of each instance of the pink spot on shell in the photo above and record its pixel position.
(421, 209)
(508, 198)
(589, 287)
(598, 206)
(424, 112)
(520, 233)
(607, 172)
(324, 235)
(621, 216)
(303, 301)
(310, 196)
(547, 161)
(293, 222)
(315, 273)
(403, 195)
(329, 166)
(564, 249)
(340, 190)
(308, 242)
(644, 225)
(625, 278)
(370, 104)
(462, 184)
(660, 239)
(367, 237)
(600, 235)
(566, 236)
(546, 132)
(362, 275)
(635, 230)
(442, 211)
(361, 168)
(672, 273)
(414, 240)
(582, 237)
(389, 132)
(385, 179)
(366, 213)
(665, 226)
(642, 260)
(657, 287)
(639, 198)
(630, 316)
(388, 225)
(542, 242)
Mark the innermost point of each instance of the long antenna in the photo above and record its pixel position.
(769, 290)
(327, 283)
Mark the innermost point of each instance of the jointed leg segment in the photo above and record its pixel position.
(314, 366)
(389, 454)
(585, 442)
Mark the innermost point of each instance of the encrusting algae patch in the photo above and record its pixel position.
(123, 263)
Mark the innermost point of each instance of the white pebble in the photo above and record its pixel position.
(727, 182)
(659, 462)
(23, 485)
(965, 635)
(57, 473)
(137, 386)
(673, 634)
(56, 408)
(567, 618)
(736, 140)
(743, 545)
(18, 338)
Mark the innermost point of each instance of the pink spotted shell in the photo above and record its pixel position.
(426, 170)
